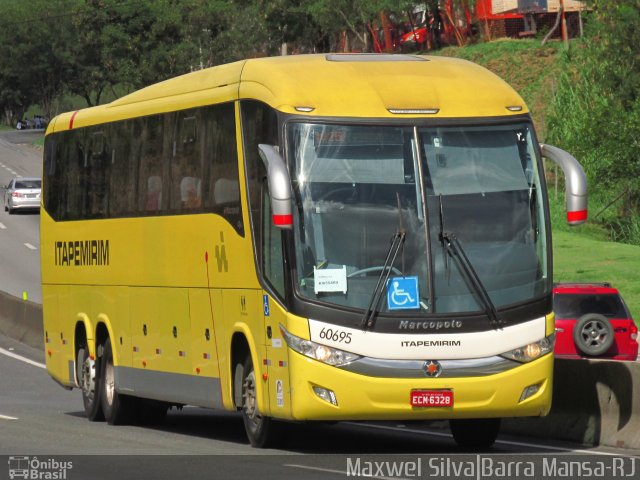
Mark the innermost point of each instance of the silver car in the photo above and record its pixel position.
(22, 193)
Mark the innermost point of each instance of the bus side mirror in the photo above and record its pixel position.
(575, 181)
(279, 186)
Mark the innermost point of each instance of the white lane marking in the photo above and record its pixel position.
(22, 359)
(30, 247)
(6, 417)
(340, 472)
(2, 226)
(503, 442)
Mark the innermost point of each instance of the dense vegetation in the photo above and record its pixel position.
(97, 49)
(595, 113)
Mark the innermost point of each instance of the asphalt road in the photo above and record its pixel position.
(19, 233)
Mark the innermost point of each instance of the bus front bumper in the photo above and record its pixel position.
(361, 397)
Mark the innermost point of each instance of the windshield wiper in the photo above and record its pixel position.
(455, 249)
(368, 319)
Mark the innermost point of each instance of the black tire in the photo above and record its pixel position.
(118, 409)
(262, 431)
(593, 334)
(475, 433)
(10, 210)
(88, 373)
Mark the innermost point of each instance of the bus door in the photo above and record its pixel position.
(277, 358)
(273, 312)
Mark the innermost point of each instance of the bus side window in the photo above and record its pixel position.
(151, 165)
(186, 162)
(221, 192)
(97, 168)
(272, 253)
(226, 191)
(259, 125)
(53, 173)
(124, 169)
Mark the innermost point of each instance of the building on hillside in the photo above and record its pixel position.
(521, 18)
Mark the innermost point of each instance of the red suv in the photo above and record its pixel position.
(593, 321)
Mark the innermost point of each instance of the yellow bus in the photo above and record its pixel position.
(316, 237)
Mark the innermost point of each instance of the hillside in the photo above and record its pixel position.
(526, 65)
(581, 254)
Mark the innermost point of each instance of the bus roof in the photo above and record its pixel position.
(331, 85)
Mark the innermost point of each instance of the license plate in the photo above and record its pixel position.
(431, 398)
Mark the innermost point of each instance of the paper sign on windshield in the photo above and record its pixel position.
(330, 279)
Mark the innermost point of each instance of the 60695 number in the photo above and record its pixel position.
(335, 335)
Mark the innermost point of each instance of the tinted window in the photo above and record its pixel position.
(27, 184)
(575, 306)
(260, 125)
(186, 164)
(151, 181)
(221, 190)
(123, 159)
(178, 162)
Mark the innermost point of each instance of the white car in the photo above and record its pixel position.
(22, 193)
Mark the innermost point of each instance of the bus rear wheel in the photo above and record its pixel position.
(261, 430)
(475, 433)
(88, 373)
(118, 409)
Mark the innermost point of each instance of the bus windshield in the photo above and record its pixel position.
(356, 187)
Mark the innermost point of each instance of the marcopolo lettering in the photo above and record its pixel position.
(429, 325)
(81, 253)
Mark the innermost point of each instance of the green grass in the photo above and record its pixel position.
(530, 68)
(580, 258)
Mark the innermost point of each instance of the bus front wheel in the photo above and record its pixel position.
(261, 430)
(88, 373)
(475, 433)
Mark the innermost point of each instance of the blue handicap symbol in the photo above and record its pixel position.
(265, 303)
(402, 293)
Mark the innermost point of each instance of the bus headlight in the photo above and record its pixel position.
(532, 351)
(321, 353)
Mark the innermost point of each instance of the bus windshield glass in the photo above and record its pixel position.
(356, 187)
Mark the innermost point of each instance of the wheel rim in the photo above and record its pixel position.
(109, 381)
(594, 333)
(250, 401)
(89, 379)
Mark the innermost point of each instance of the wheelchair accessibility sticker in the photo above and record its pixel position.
(402, 293)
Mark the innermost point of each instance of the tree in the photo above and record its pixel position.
(354, 16)
(596, 110)
(127, 44)
(35, 57)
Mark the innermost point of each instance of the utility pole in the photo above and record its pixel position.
(565, 36)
